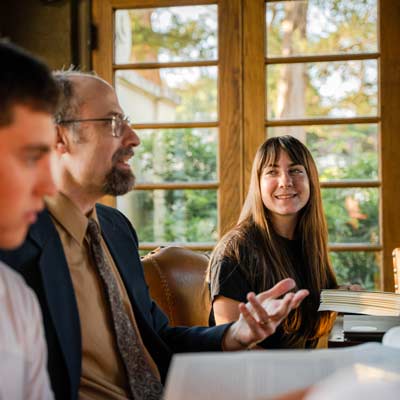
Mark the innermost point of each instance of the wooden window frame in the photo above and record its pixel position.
(241, 124)
(230, 160)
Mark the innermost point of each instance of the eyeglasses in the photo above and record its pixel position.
(117, 123)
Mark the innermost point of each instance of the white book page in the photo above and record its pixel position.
(208, 375)
(358, 382)
(260, 375)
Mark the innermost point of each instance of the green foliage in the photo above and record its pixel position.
(355, 151)
(360, 267)
(181, 37)
(189, 155)
(190, 216)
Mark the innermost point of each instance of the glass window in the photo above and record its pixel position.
(322, 89)
(181, 97)
(352, 215)
(169, 94)
(176, 155)
(167, 34)
(360, 267)
(321, 27)
(172, 215)
(340, 151)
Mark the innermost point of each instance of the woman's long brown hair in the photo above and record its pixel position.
(254, 246)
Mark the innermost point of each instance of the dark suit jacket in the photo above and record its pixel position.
(42, 263)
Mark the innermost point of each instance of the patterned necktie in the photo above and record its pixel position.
(142, 381)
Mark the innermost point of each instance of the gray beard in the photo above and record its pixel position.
(118, 181)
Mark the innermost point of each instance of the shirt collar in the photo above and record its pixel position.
(69, 216)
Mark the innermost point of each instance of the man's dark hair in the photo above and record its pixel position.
(24, 80)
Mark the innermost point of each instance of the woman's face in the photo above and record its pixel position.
(285, 190)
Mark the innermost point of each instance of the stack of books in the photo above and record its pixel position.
(360, 302)
(368, 314)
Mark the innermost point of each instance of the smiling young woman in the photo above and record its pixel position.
(281, 233)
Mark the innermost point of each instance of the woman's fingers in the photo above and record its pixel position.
(298, 297)
(261, 315)
(252, 323)
(282, 287)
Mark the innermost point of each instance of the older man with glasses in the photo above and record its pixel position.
(107, 339)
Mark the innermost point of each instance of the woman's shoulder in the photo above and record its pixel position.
(235, 244)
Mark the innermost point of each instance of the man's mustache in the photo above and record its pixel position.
(122, 153)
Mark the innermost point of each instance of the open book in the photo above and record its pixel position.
(263, 375)
(363, 302)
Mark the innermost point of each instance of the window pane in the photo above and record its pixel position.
(340, 151)
(172, 215)
(183, 155)
(357, 267)
(352, 215)
(333, 89)
(166, 34)
(321, 27)
(168, 94)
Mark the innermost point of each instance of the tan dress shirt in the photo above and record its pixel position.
(103, 375)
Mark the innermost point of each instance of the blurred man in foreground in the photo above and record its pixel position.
(28, 97)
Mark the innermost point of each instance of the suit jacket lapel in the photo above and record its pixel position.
(59, 292)
(120, 241)
(123, 256)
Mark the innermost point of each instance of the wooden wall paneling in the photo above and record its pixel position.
(83, 34)
(254, 82)
(390, 134)
(43, 29)
(230, 162)
(104, 21)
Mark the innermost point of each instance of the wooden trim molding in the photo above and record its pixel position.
(175, 125)
(118, 4)
(177, 186)
(389, 30)
(230, 84)
(321, 121)
(192, 245)
(254, 83)
(350, 183)
(321, 58)
(339, 247)
(177, 64)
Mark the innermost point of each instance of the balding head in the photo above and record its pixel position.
(75, 88)
(78, 91)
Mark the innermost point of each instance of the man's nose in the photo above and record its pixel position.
(130, 137)
(45, 185)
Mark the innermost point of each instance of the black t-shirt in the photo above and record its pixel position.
(229, 279)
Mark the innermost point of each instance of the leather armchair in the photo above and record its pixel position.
(176, 279)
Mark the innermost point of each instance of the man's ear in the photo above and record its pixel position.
(62, 139)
